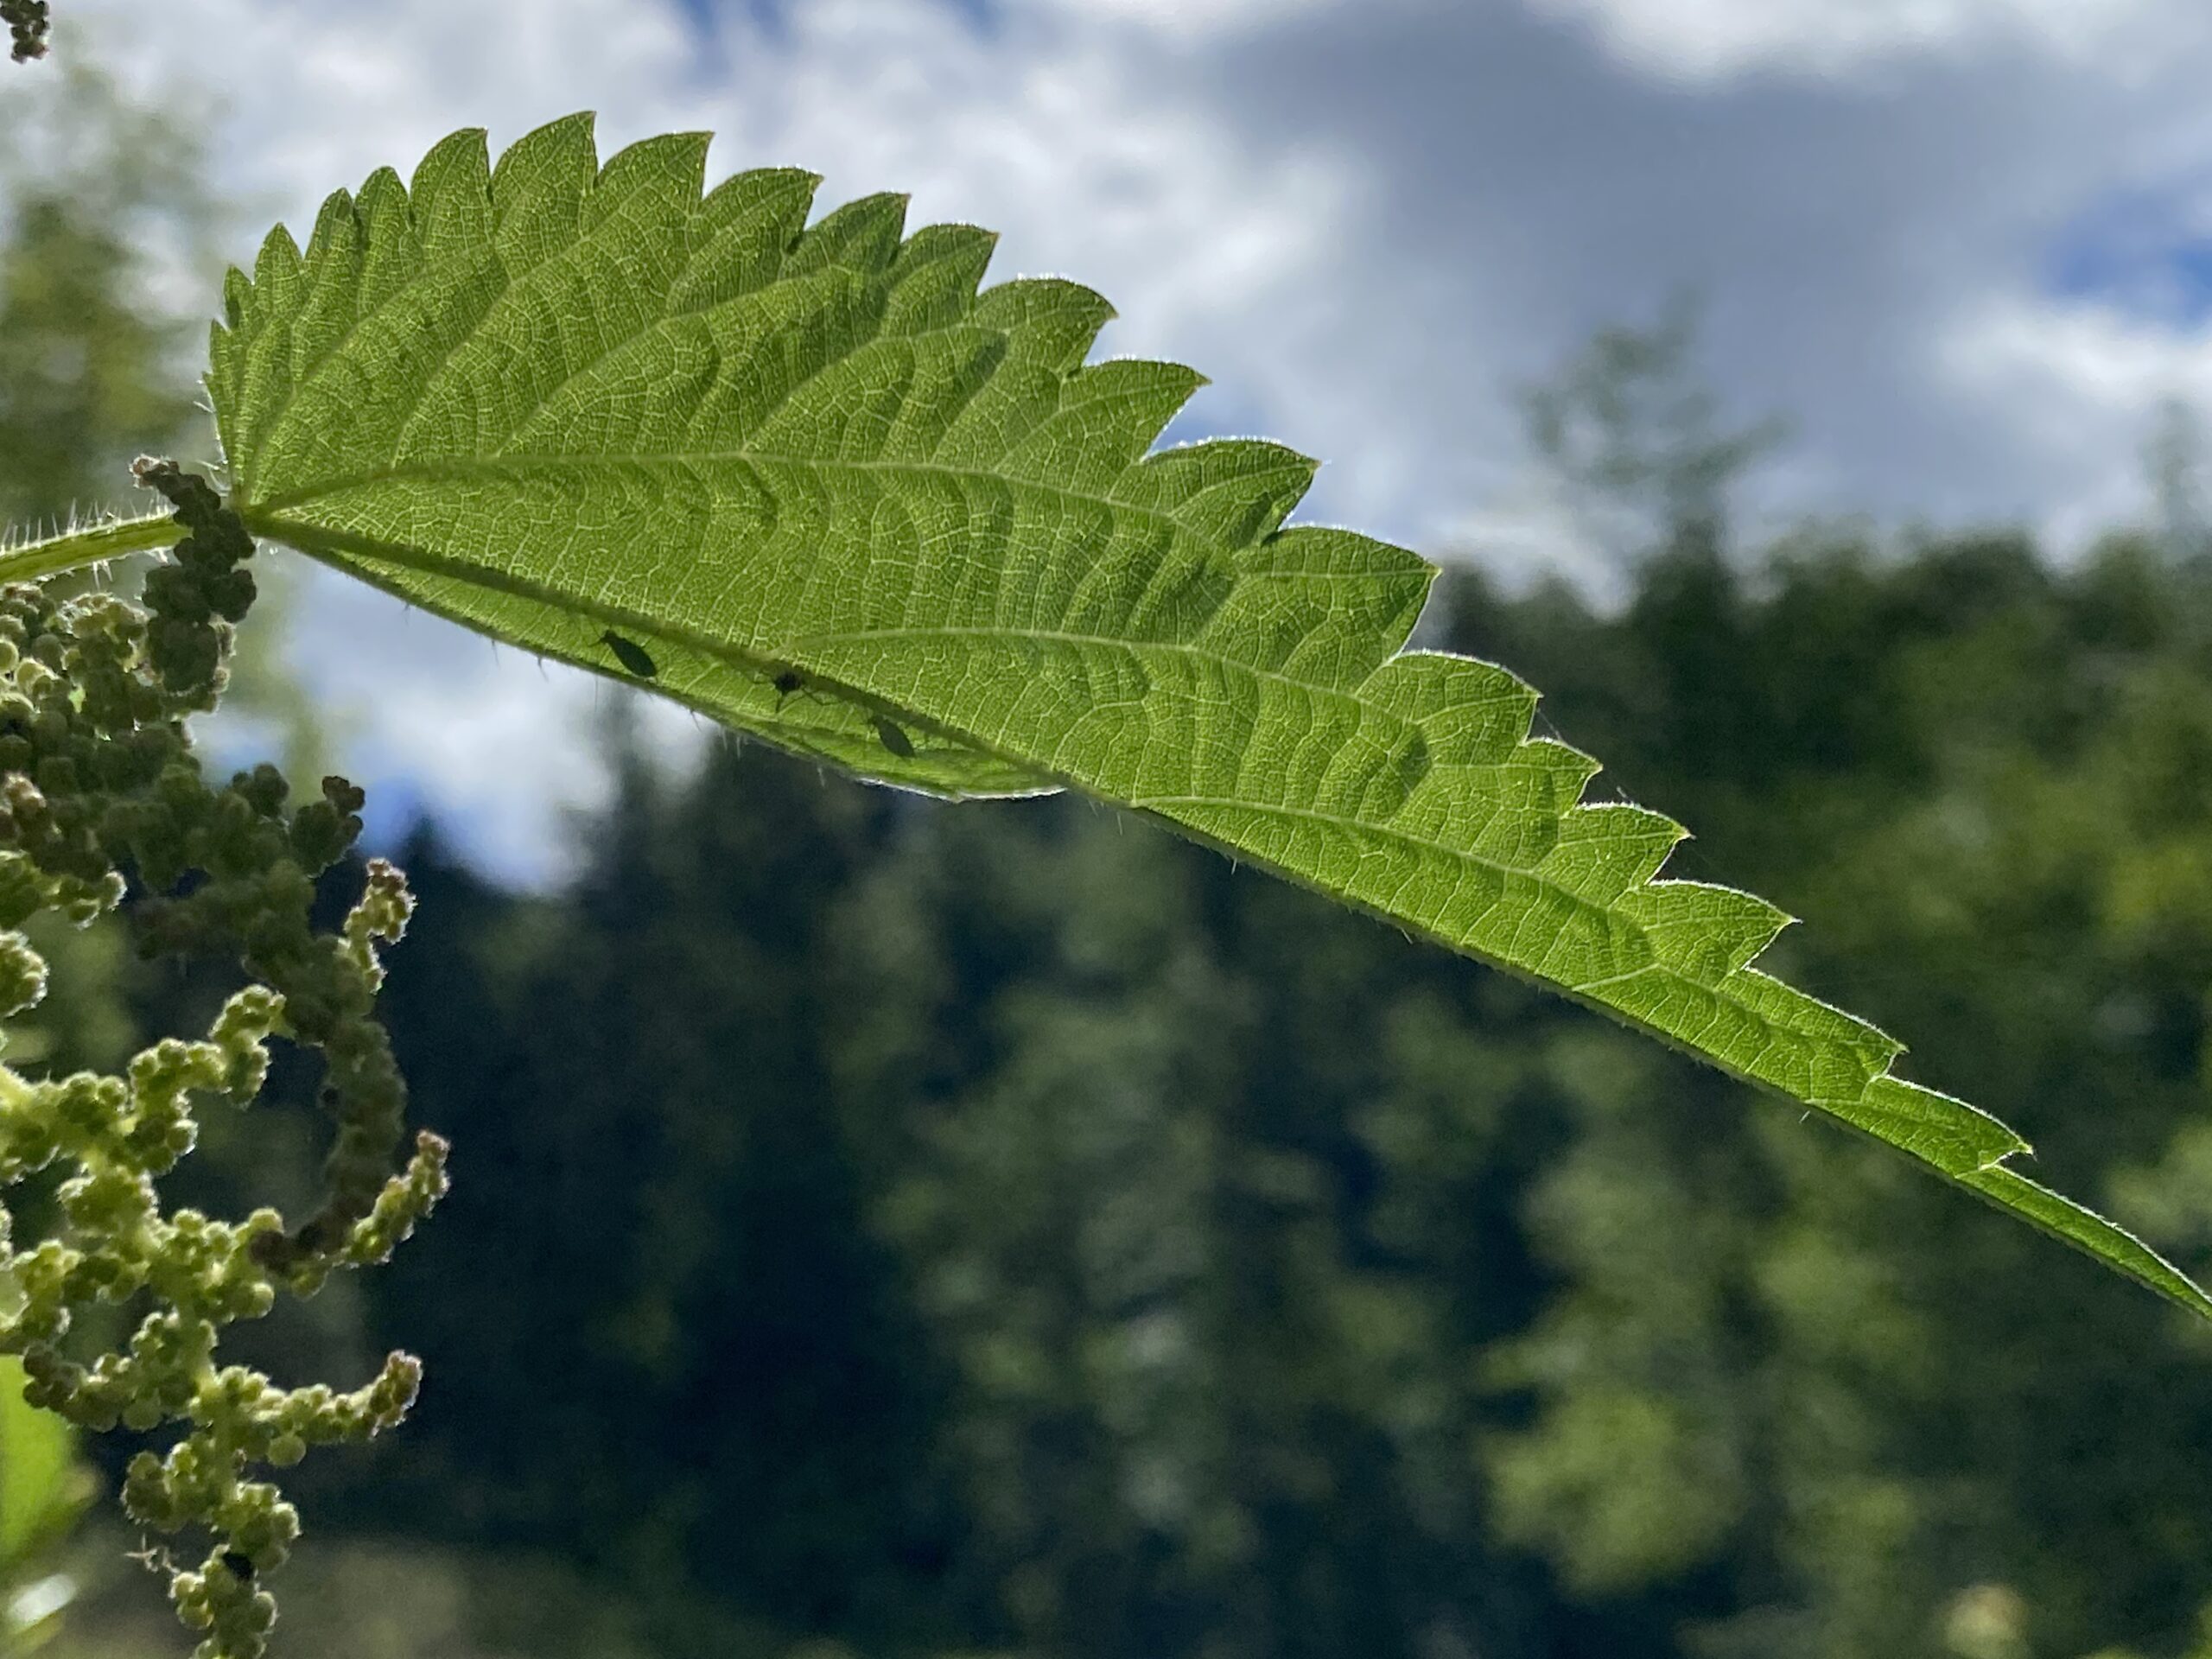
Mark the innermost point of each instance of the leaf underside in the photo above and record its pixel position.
(809, 480)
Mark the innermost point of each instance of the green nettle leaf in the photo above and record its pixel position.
(809, 480)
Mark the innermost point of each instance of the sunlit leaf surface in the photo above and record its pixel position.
(810, 480)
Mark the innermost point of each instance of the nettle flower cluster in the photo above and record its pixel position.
(97, 778)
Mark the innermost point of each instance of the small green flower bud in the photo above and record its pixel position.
(23, 975)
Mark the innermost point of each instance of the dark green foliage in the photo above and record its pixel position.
(652, 1191)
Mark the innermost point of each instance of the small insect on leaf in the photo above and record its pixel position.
(895, 740)
(632, 655)
(786, 683)
(241, 1566)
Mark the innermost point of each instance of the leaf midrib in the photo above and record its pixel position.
(764, 662)
(426, 469)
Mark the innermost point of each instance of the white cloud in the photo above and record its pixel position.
(2076, 372)
(319, 95)
(1700, 39)
(1196, 21)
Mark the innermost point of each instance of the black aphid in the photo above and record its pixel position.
(895, 740)
(632, 655)
(241, 1565)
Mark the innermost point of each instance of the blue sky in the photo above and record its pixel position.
(1966, 245)
(2139, 251)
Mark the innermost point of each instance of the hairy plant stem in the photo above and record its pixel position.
(30, 561)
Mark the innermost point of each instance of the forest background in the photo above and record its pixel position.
(1007, 1232)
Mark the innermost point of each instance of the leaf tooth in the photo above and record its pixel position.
(272, 316)
(546, 154)
(222, 348)
(538, 191)
(391, 249)
(1110, 414)
(1513, 807)
(1051, 323)
(1604, 851)
(934, 279)
(227, 343)
(1365, 595)
(1321, 606)
(2086, 1231)
(277, 271)
(333, 220)
(1703, 932)
(1938, 1129)
(1047, 324)
(862, 236)
(451, 196)
(655, 183)
(653, 164)
(783, 192)
(956, 239)
(237, 299)
(1814, 1052)
(1473, 713)
(739, 236)
(332, 279)
(1568, 769)
(1234, 491)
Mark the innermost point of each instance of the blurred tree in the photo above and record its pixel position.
(1634, 435)
(108, 242)
(667, 1346)
(1773, 1361)
(105, 214)
(1124, 1106)
(2174, 463)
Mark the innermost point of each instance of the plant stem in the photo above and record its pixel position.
(90, 545)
